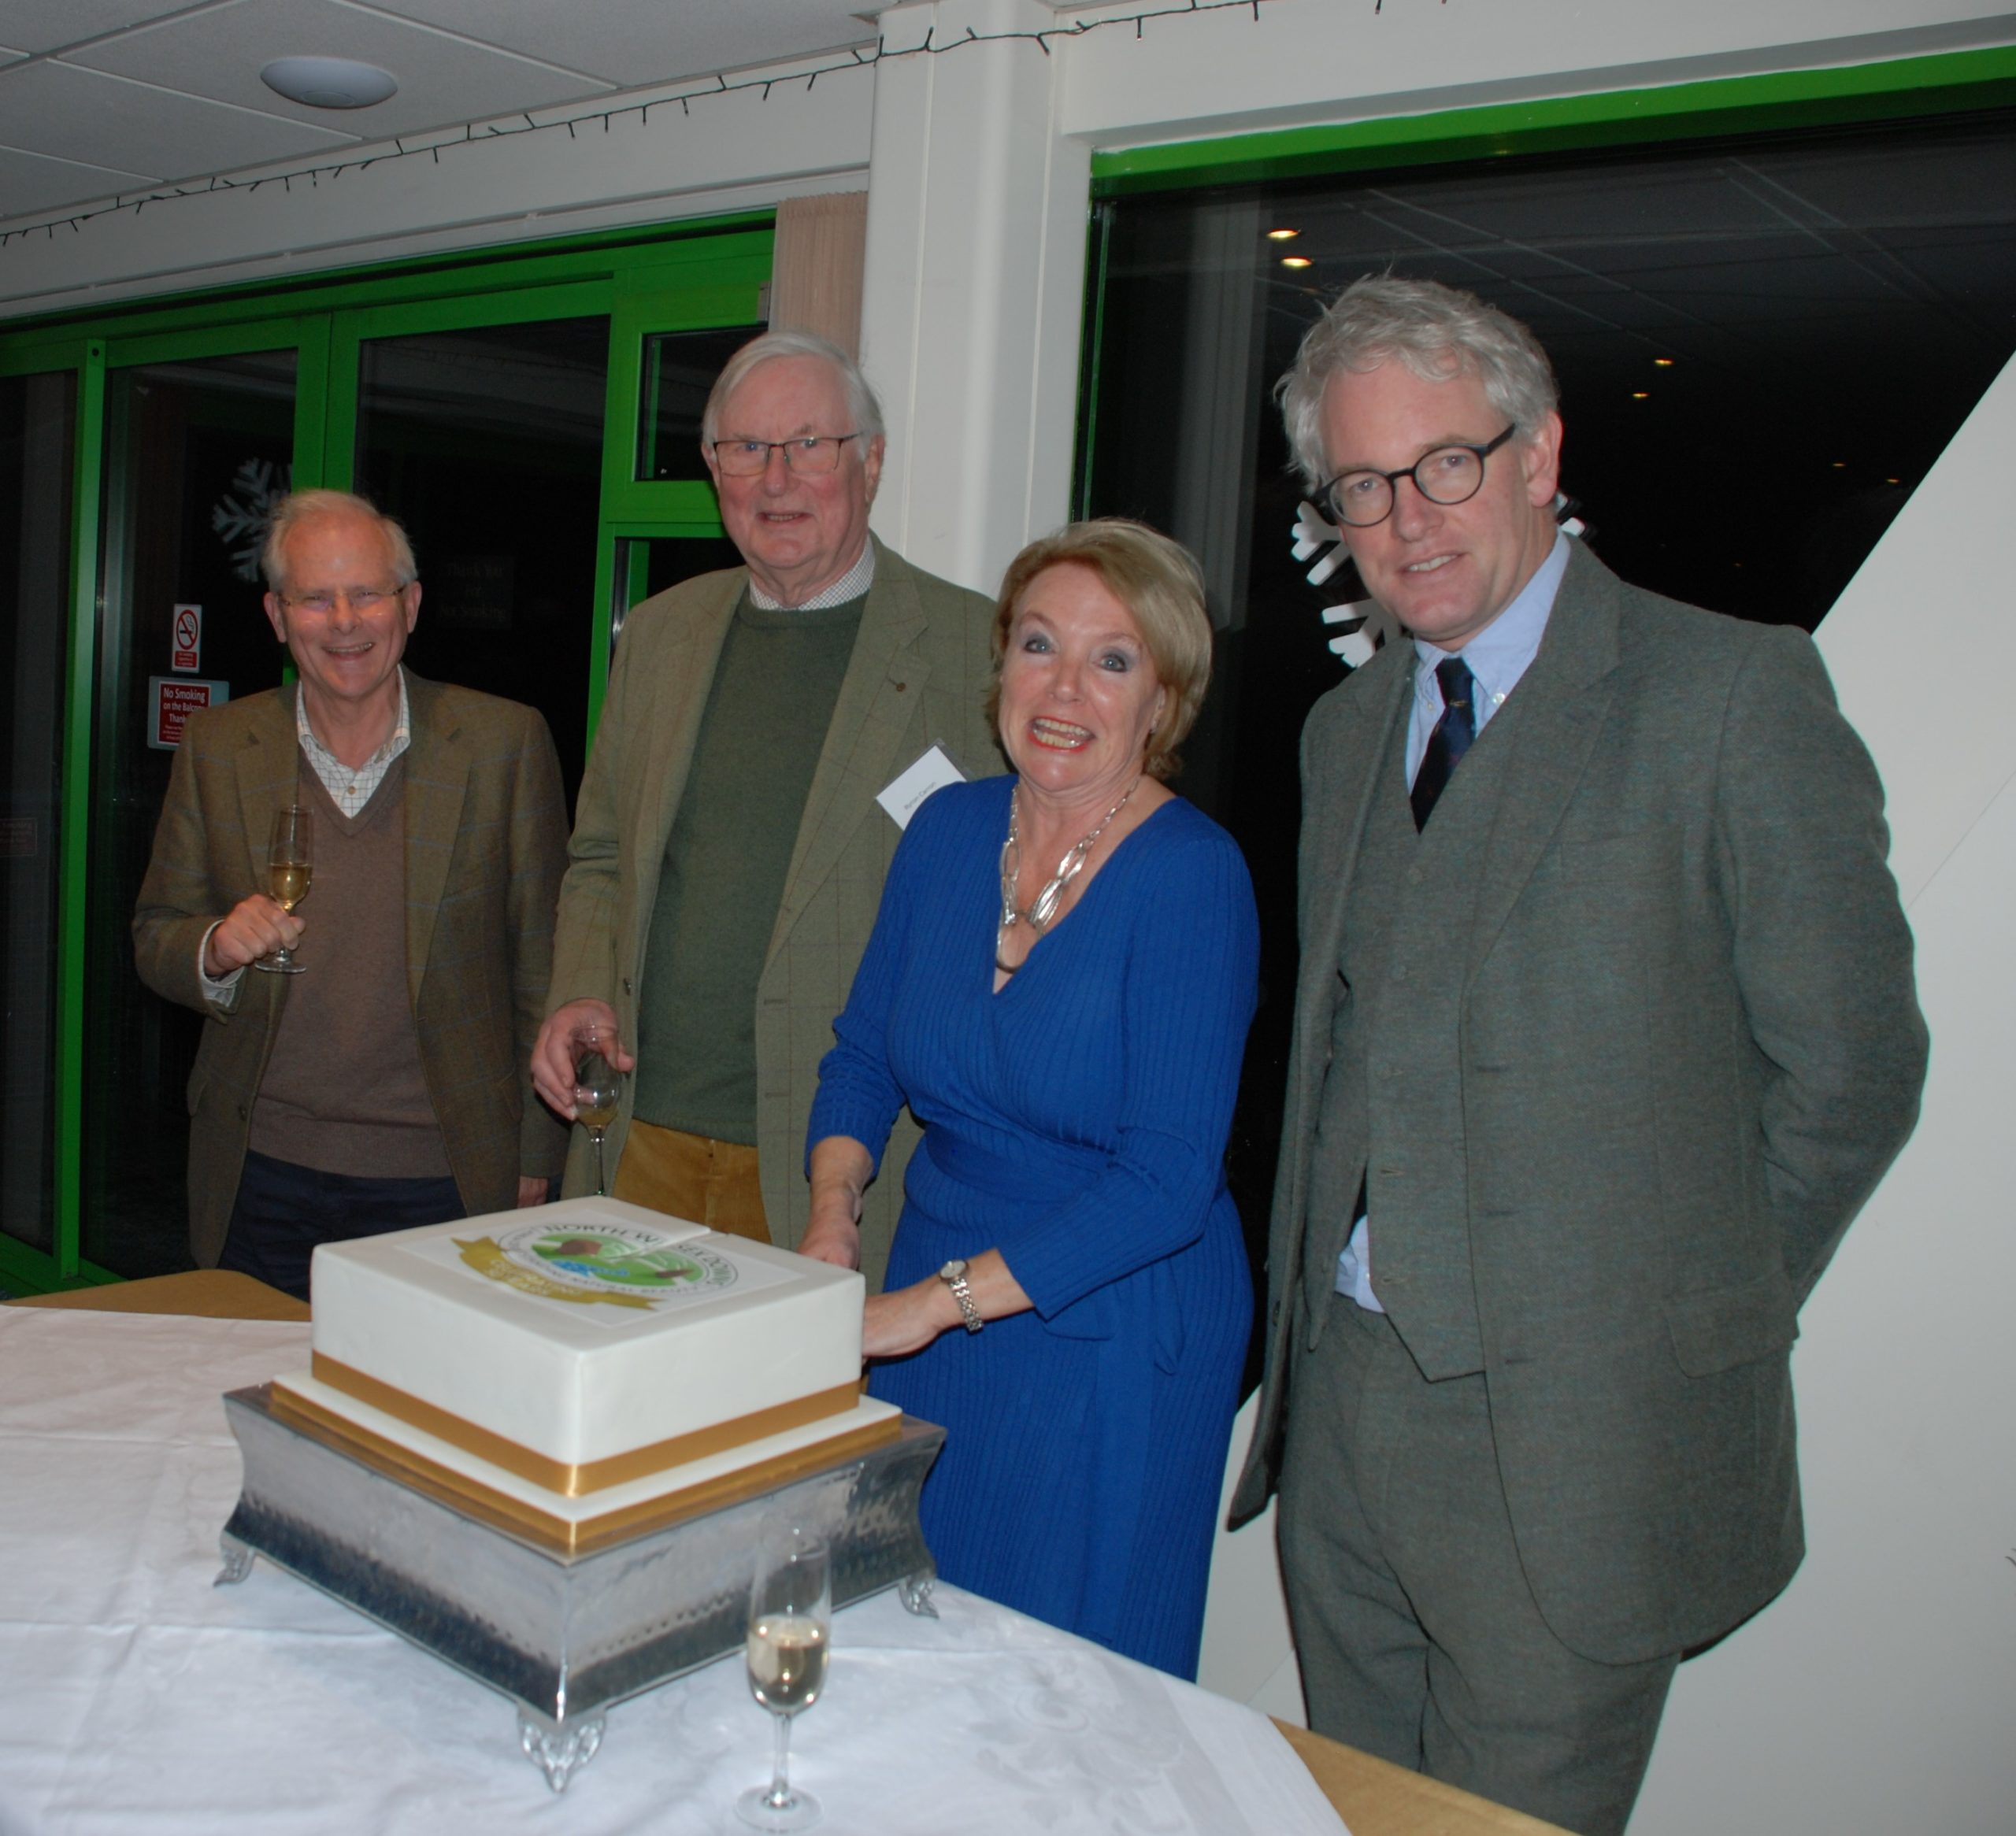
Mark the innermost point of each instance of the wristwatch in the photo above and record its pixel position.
(954, 1276)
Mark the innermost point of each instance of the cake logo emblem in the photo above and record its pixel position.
(625, 1265)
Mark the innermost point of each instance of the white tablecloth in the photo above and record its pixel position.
(136, 1696)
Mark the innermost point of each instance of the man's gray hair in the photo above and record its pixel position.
(303, 506)
(1439, 332)
(863, 410)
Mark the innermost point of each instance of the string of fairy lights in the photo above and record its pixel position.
(704, 91)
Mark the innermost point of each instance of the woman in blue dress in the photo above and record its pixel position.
(1067, 1292)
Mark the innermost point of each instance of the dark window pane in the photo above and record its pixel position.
(38, 434)
(1762, 346)
(678, 370)
(487, 445)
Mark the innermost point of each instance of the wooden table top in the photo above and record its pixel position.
(1373, 1797)
(205, 1293)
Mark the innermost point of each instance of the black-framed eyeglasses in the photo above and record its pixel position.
(812, 456)
(1449, 475)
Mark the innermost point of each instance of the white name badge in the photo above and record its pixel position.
(902, 794)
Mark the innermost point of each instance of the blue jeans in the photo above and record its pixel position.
(283, 1211)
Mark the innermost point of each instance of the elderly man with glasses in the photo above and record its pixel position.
(1606, 1028)
(377, 1087)
(728, 849)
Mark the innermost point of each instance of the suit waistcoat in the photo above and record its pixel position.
(1391, 1110)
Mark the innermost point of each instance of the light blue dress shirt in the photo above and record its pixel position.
(1498, 656)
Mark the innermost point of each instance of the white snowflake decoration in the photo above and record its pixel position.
(241, 516)
(1367, 623)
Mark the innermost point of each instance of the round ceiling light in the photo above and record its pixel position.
(329, 82)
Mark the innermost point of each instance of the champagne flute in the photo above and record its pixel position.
(790, 1606)
(290, 866)
(598, 1090)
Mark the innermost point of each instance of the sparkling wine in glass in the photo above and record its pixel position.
(790, 1611)
(597, 1090)
(290, 866)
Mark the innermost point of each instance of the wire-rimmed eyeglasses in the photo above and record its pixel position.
(1453, 474)
(812, 455)
(361, 600)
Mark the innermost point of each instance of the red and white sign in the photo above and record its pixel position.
(172, 699)
(186, 647)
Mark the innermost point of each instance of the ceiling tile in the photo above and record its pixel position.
(443, 81)
(46, 25)
(30, 183)
(634, 43)
(51, 108)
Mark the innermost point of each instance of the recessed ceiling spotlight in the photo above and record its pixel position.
(329, 82)
(1641, 395)
(1283, 235)
(1297, 261)
(1662, 363)
(1840, 466)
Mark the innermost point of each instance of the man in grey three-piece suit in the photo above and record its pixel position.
(1591, 1072)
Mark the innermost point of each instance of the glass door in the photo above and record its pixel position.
(38, 440)
(486, 441)
(196, 449)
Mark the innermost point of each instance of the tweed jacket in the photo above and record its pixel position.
(1687, 1046)
(485, 842)
(919, 674)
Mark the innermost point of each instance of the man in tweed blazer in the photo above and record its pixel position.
(394, 1094)
(1591, 1072)
(728, 853)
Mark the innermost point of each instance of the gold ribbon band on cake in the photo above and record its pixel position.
(593, 1475)
(562, 1535)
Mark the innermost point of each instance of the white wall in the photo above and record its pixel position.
(1876, 1694)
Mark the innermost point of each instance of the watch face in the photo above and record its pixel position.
(953, 1270)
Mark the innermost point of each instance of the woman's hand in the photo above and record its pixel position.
(841, 1169)
(833, 1239)
(896, 1325)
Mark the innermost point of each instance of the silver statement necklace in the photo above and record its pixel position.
(1040, 910)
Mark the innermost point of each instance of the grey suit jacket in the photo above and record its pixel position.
(919, 673)
(485, 830)
(1688, 1046)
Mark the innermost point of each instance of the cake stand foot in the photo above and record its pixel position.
(559, 1753)
(237, 1561)
(914, 1590)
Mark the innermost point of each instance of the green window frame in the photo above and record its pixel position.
(711, 271)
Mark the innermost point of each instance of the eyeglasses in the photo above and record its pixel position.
(359, 599)
(811, 456)
(1450, 475)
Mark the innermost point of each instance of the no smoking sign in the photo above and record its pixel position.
(186, 648)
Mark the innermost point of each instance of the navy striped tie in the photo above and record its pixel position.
(1452, 738)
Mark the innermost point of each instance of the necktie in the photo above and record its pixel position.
(1452, 738)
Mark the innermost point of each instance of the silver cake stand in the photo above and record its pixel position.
(564, 1637)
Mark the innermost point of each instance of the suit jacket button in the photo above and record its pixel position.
(626, 985)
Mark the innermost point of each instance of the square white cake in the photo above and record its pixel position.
(588, 1344)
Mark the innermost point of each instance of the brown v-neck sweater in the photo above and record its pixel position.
(344, 1091)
